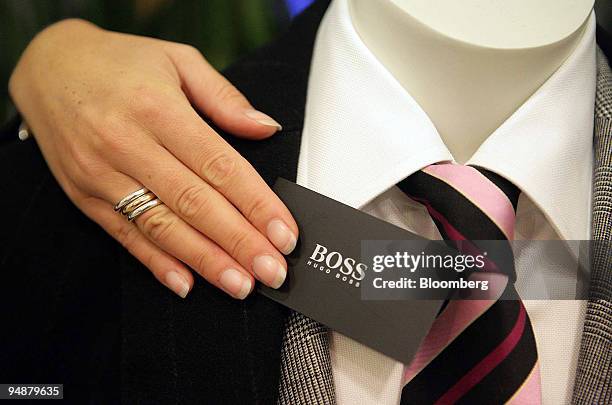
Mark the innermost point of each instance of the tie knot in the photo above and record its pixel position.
(466, 203)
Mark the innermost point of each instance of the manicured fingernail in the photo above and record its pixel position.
(177, 283)
(269, 271)
(281, 236)
(235, 283)
(263, 119)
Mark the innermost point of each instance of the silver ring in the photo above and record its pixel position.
(137, 202)
(129, 198)
(141, 209)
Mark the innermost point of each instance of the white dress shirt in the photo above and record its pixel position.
(363, 133)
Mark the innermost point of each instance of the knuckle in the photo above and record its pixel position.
(201, 261)
(72, 190)
(83, 166)
(150, 259)
(126, 235)
(225, 90)
(255, 208)
(111, 136)
(78, 158)
(219, 169)
(209, 261)
(191, 201)
(146, 103)
(237, 243)
(158, 225)
(188, 50)
(227, 94)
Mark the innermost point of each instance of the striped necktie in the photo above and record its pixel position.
(477, 351)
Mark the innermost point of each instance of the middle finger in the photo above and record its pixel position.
(201, 206)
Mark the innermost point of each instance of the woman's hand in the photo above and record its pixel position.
(113, 113)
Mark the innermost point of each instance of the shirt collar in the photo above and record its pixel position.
(363, 132)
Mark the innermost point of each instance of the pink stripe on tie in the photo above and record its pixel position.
(530, 391)
(463, 245)
(480, 191)
(456, 317)
(486, 365)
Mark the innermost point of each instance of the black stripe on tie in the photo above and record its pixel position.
(503, 381)
(510, 190)
(466, 351)
(460, 212)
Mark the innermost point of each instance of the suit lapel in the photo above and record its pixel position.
(594, 372)
(282, 71)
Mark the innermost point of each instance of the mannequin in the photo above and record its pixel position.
(470, 64)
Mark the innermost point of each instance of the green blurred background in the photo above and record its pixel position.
(221, 29)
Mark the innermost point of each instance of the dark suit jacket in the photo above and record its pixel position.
(79, 310)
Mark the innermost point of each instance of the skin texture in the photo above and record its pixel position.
(114, 112)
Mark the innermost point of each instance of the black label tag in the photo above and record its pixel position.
(325, 274)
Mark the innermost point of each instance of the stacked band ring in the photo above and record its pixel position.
(137, 203)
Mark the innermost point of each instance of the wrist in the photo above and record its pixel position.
(52, 44)
(63, 28)
(60, 37)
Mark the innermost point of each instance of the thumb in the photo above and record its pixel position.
(216, 97)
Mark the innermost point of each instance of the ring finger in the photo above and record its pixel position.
(174, 236)
(204, 208)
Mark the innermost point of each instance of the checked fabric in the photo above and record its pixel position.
(478, 351)
(306, 375)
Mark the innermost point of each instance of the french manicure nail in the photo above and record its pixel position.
(281, 236)
(269, 270)
(235, 283)
(177, 283)
(263, 119)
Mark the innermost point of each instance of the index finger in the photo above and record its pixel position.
(208, 155)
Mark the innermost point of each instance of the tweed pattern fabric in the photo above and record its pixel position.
(306, 376)
(594, 372)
